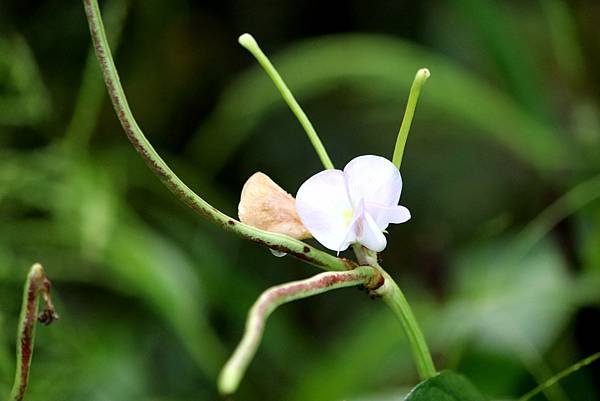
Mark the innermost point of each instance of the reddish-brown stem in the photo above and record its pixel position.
(37, 284)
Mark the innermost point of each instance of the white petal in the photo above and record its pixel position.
(354, 228)
(371, 235)
(324, 208)
(384, 215)
(374, 179)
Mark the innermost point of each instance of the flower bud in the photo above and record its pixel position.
(265, 205)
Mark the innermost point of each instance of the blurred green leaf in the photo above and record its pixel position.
(142, 262)
(513, 60)
(565, 42)
(6, 362)
(23, 96)
(446, 386)
(365, 354)
(506, 300)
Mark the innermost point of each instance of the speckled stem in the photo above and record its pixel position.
(271, 299)
(37, 284)
(274, 241)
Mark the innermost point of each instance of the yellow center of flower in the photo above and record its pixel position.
(348, 213)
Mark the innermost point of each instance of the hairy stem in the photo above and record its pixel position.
(409, 113)
(270, 300)
(37, 284)
(274, 241)
(250, 44)
(394, 297)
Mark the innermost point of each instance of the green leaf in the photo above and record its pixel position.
(446, 386)
(24, 99)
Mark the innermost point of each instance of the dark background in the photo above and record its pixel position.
(501, 259)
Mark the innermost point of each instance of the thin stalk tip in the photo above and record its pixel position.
(247, 41)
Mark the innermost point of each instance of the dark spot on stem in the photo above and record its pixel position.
(231, 222)
(306, 249)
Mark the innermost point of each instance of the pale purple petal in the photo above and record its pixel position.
(371, 235)
(324, 208)
(385, 215)
(374, 179)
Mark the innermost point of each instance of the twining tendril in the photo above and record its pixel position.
(270, 300)
(37, 284)
(274, 241)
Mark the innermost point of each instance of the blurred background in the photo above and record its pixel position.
(501, 259)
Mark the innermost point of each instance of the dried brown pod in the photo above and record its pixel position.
(265, 205)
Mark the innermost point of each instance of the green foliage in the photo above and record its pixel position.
(446, 386)
(23, 97)
(153, 299)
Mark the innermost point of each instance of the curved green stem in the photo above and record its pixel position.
(561, 375)
(409, 113)
(250, 44)
(576, 198)
(37, 284)
(274, 241)
(91, 92)
(394, 297)
(271, 299)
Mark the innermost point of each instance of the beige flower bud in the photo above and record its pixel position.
(265, 205)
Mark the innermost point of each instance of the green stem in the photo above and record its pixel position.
(409, 113)
(250, 44)
(575, 199)
(394, 297)
(274, 241)
(37, 284)
(562, 27)
(271, 299)
(561, 375)
(91, 92)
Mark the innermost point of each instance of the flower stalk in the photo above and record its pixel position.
(37, 284)
(393, 296)
(409, 113)
(248, 42)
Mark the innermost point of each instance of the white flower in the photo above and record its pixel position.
(340, 208)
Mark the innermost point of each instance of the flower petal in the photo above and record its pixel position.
(371, 236)
(354, 228)
(374, 179)
(265, 205)
(384, 215)
(324, 208)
